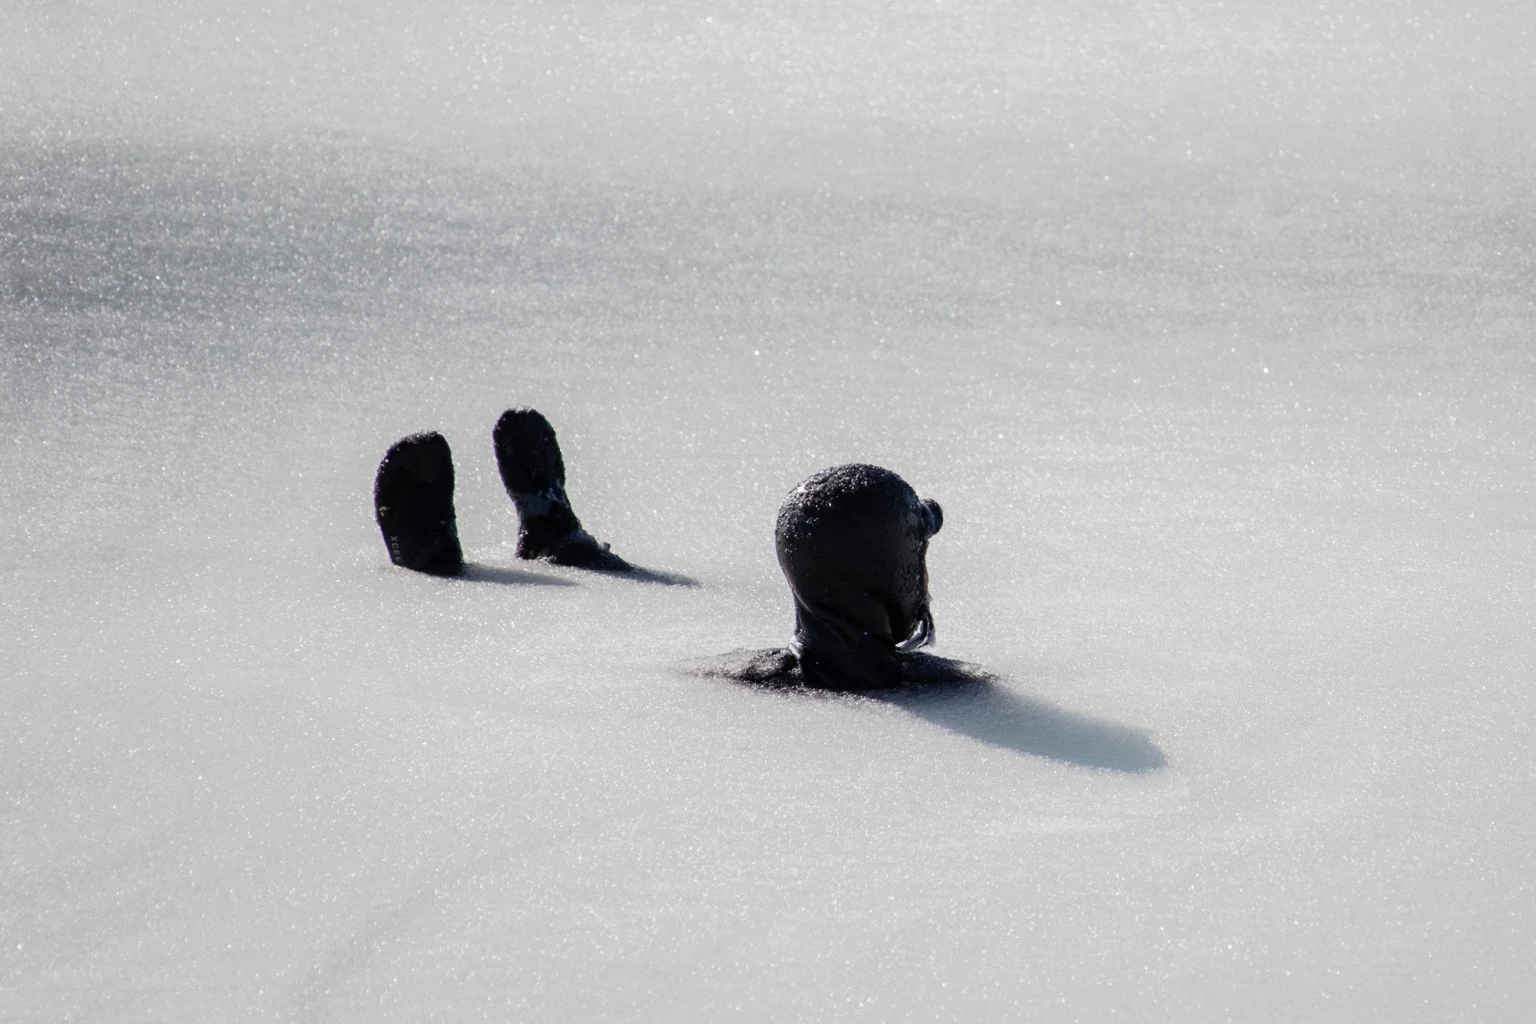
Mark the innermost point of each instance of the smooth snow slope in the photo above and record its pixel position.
(1210, 325)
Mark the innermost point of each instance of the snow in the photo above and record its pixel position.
(1210, 327)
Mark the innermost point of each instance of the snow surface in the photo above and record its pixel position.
(1211, 325)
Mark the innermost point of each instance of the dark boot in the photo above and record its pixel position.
(533, 472)
(413, 503)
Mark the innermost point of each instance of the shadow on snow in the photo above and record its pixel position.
(971, 702)
(478, 572)
(643, 575)
(968, 700)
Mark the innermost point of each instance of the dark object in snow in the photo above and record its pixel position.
(852, 541)
(533, 472)
(413, 504)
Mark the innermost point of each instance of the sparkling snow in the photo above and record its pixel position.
(1211, 326)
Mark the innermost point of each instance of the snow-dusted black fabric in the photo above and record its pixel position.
(852, 541)
(413, 505)
(533, 472)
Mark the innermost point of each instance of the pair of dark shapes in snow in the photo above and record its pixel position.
(413, 500)
(852, 542)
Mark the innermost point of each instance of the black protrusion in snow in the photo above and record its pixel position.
(413, 505)
(528, 456)
(853, 542)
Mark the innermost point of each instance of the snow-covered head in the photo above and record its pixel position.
(852, 542)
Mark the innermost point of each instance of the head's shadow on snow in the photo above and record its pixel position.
(968, 700)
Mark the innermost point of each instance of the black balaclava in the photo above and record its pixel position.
(413, 504)
(851, 541)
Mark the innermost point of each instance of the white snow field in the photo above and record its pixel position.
(1212, 326)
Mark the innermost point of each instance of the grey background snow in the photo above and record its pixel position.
(1210, 325)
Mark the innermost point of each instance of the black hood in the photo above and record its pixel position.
(852, 542)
